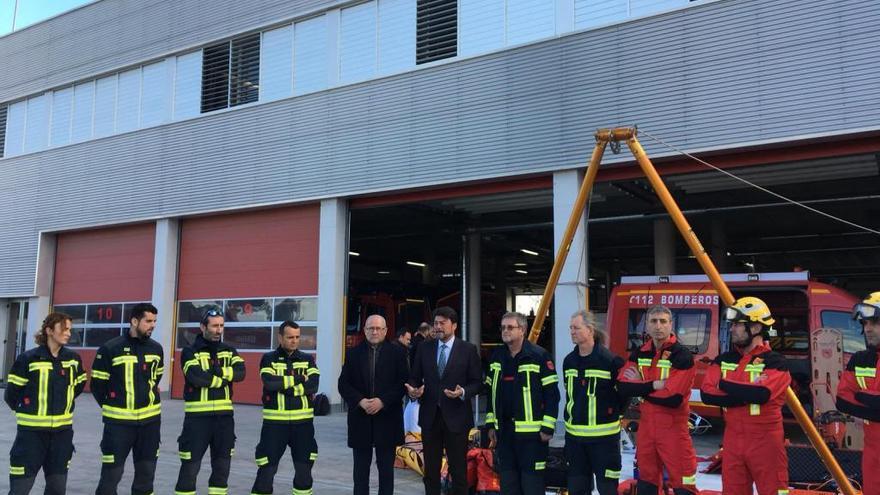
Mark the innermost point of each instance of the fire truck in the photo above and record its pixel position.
(805, 310)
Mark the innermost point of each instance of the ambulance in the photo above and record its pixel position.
(799, 305)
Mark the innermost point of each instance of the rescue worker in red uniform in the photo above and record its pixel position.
(592, 409)
(858, 393)
(662, 372)
(749, 381)
(43, 384)
(522, 409)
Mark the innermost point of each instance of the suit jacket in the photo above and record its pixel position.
(462, 368)
(385, 428)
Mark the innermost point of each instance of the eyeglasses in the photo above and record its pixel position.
(375, 329)
(211, 313)
(509, 327)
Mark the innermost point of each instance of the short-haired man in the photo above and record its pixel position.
(662, 373)
(43, 384)
(423, 333)
(210, 367)
(371, 383)
(290, 378)
(592, 409)
(521, 414)
(750, 381)
(858, 393)
(404, 338)
(445, 376)
(125, 377)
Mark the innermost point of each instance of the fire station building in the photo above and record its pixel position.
(322, 160)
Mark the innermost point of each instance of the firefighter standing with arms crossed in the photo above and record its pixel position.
(290, 378)
(522, 409)
(43, 384)
(592, 409)
(125, 377)
(210, 367)
(662, 373)
(749, 382)
(858, 393)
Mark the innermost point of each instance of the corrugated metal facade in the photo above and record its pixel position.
(723, 74)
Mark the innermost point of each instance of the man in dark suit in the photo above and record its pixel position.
(372, 385)
(446, 374)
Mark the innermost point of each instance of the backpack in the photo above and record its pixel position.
(321, 405)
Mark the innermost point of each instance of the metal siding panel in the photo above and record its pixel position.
(722, 74)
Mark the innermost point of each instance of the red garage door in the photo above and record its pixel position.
(99, 275)
(260, 268)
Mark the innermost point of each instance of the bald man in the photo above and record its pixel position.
(372, 384)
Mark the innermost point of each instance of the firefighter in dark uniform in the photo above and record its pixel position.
(592, 409)
(43, 384)
(210, 367)
(522, 409)
(290, 379)
(749, 381)
(125, 377)
(858, 393)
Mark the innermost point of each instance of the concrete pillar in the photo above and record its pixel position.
(39, 305)
(473, 275)
(165, 255)
(664, 247)
(332, 266)
(569, 296)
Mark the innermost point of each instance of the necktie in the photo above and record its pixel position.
(441, 362)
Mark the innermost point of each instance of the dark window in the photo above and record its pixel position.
(436, 30)
(215, 77)
(851, 330)
(96, 337)
(248, 337)
(2, 128)
(244, 86)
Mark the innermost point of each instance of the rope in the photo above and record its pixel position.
(760, 188)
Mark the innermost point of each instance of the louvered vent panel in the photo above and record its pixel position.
(436, 30)
(215, 77)
(245, 82)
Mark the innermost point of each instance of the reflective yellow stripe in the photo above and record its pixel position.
(781, 492)
(299, 365)
(71, 384)
(539, 466)
(16, 470)
(268, 371)
(570, 375)
(549, 422)
(293, 415)
(187, 365)
(495, 369)
(123, 360)
(866, 372)
(215, 490)
(100, 375)
(82, 377)
(227, 373)
(216, 382)
(237, 359)
(39, 365)
(261, 461)
(726, 368)
(664, 365)
(17, 380)
(612, 475)
(307, 491)
(208, 405)
(313, 456)
(177, 492)
(549, 379)
(527, 369)
(43, 391)
(131, 414)
(754, 373)
(526, 426)
(689, 480)
(755, 368)
(599, 430)
(185, 455)
(606, 375)
(44, 420)
(107, 458)
(312, 371)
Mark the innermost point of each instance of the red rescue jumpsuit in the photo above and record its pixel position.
(663, 437)
(859, 395)
(751, 389)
